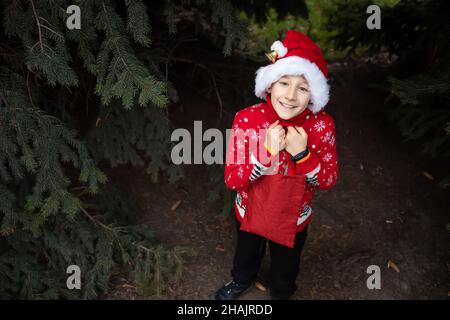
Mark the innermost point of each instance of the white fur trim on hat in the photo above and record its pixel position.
(294, 66)
(279, 48)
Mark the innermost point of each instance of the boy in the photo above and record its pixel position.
(298, 140)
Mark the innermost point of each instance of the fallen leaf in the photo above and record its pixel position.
(260, 287)
(392, 265)
(428, 176)
(175, 205)
(326, 226)
(219, 248)
(388, 221)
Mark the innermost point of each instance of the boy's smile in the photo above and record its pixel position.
(288, 106)
(289, 96)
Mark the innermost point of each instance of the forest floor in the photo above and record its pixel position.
(386, 206)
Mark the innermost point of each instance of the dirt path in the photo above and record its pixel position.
(382, 208)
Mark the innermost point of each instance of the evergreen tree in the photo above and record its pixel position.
(56, 206)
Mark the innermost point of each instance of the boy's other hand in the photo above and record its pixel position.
(275, 138)
(296, 140)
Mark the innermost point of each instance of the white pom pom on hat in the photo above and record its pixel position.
(296, 55)
(279, 48)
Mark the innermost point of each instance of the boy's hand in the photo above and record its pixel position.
(296, 140)
(275, 138)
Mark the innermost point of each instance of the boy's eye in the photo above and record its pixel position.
(303, 89)
(283, 83)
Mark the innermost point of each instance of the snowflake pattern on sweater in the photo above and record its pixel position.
(321, 168)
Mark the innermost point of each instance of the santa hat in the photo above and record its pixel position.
(296, 55)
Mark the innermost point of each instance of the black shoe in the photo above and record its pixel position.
(231, 291)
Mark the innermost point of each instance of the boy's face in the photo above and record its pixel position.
(289, 96)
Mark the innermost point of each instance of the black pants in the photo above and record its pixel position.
(284, 261)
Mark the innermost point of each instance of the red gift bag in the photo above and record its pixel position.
(274, 205)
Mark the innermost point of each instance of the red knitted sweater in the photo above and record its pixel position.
(320, 168)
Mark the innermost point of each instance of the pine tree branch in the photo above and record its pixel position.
(29, 91)
(51, 30)
(115, 43)
(38, 24)
(88, 215)
(114, 233)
